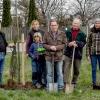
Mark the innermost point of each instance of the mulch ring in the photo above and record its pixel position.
(12, 85)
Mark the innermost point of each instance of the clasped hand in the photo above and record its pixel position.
(73, 43)
(53, 48)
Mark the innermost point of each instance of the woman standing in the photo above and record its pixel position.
(76, 38)
(35, 27)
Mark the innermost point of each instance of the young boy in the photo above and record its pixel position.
(36, 52)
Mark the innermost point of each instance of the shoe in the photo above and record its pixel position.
(61, 89)
(38, 86)
(43, 86)
(74, 84)
(96, 87)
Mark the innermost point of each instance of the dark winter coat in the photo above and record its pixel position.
(80, 41)
(29, 39)
(3, 42)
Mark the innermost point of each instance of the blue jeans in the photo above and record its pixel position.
(58, 66)
(94, 60)
(2, 57)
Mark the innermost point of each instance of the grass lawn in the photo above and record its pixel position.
(82, 92)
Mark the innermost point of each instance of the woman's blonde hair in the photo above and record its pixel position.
(32, 23)
(37, 34)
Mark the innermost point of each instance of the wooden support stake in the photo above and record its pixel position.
(23, 60)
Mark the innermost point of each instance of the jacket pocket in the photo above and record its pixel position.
(59, 41)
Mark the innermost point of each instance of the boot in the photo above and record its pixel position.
(96, 87)
(34, 78)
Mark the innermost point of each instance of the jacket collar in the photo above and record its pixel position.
(70, 30)
(57, 33)
(94, 30)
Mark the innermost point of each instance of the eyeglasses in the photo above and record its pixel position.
(53, 25)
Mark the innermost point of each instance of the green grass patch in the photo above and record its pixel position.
(83, 90)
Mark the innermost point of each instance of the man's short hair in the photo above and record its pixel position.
(53, 20)
(77, 19)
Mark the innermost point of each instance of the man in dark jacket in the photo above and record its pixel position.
(93, 50)
(76, 38)
(54, 43)
(3, 45)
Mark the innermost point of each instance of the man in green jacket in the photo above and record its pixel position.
(76, 38)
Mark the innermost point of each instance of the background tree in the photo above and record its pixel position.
(6, 16)
(50, 8)
(32, 12)
(87, 9)
(23, 6)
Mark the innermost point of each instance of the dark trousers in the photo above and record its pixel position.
(67, 69)
(38, 71)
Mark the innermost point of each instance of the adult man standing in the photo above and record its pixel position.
(76, 38)
(54, 42)
(3, 45)
(93, 50)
